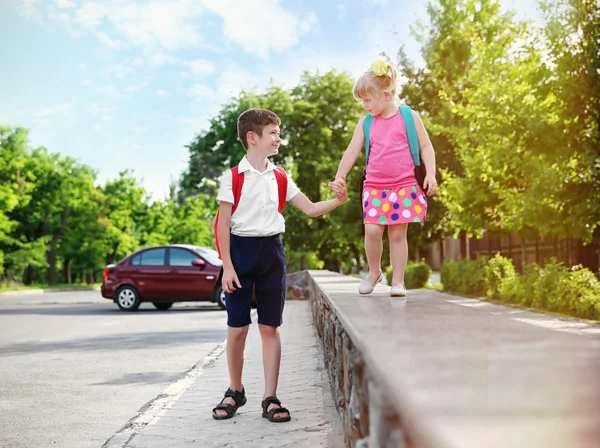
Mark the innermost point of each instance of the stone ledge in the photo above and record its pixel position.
(429, 373)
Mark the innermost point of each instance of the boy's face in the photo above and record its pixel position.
(267, 144)
(376, 105)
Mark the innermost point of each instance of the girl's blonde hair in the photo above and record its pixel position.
(371, 85)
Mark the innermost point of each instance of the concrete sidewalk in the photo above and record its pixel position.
(303, 389)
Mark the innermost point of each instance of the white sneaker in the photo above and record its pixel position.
(367, 287)
(398, 291)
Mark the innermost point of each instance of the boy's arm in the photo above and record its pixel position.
(352, 152)
(313, 209)
(224, 230)
(427, 154)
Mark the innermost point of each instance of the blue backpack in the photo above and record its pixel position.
(413, 141)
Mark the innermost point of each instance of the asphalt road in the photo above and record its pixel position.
(75, 369)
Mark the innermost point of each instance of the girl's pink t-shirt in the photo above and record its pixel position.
(390, 163)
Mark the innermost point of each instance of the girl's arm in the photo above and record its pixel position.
(427, 155)
(352, 152)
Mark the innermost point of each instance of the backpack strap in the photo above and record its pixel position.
(237, 182)
(411, 133)
(282, 183)
(368, 121)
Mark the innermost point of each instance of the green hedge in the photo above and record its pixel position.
(417, 275)
(554, 287)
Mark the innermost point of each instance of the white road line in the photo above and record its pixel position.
(152, 413)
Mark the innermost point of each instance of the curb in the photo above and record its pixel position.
(21, 292)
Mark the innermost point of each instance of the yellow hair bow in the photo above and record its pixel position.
(379, 67)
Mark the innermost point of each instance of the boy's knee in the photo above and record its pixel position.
(238, 332)
(268, 330)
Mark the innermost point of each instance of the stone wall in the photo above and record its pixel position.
(367, 417)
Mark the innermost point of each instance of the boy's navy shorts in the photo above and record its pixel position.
(260, 264)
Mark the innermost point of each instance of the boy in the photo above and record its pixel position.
(253, 257)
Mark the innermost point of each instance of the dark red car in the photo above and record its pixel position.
(164, 275)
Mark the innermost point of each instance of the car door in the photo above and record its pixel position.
(187, 282)
(151, 273)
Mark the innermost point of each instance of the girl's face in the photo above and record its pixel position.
(376, 105)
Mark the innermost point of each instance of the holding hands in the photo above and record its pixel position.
(339, 189)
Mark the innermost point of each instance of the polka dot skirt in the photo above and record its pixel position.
(394, 205)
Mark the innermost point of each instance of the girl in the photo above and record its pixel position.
(391, 195)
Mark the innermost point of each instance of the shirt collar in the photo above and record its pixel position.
(245, 165)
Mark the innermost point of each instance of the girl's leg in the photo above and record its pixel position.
(398, 252)
(374, 249)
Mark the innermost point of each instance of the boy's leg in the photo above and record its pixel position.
(398, 252)
(239, 304)
(236, 343)
(271, 352)
(374, 249)
(270, 290)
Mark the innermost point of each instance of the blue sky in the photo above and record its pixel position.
(123, 84)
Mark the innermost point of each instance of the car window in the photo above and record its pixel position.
(210, 255)
(153, 257)
(135, 261)
(181, 257)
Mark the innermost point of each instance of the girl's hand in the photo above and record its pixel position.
(343, 197)
(339, 187)
(430, 184)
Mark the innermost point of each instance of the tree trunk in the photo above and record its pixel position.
(67, 271)
(52, 274)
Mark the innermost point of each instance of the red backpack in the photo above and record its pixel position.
(237, 181)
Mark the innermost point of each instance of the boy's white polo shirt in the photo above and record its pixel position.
(257, 213)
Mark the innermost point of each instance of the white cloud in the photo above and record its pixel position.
(161, 92)
(234, 79)
(201, 67)
(274, 29)
(90, 15)
(158, 59)
(65, 4)
(201, 91)
(106, 118)
(83, 66)
(109, 41)
(98, 126)
(85, 82)
(139, 129)
(111, 91)
(29, 8)
(120, 71)
(379, 2)
(97, 109)
(167, 24)
(53, 111)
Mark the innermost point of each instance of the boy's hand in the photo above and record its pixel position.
(339, 187)
(229, 280)
(430, 184)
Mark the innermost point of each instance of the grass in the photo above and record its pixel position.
(6, 288)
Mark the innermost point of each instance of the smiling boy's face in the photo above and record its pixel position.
(268, 143)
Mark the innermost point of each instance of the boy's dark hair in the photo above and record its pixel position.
(255, 120)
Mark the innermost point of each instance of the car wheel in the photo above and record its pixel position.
(220, 297)
(128, 298)
(162, 305)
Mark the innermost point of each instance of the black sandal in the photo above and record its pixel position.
(230, 409)
(271, 414)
